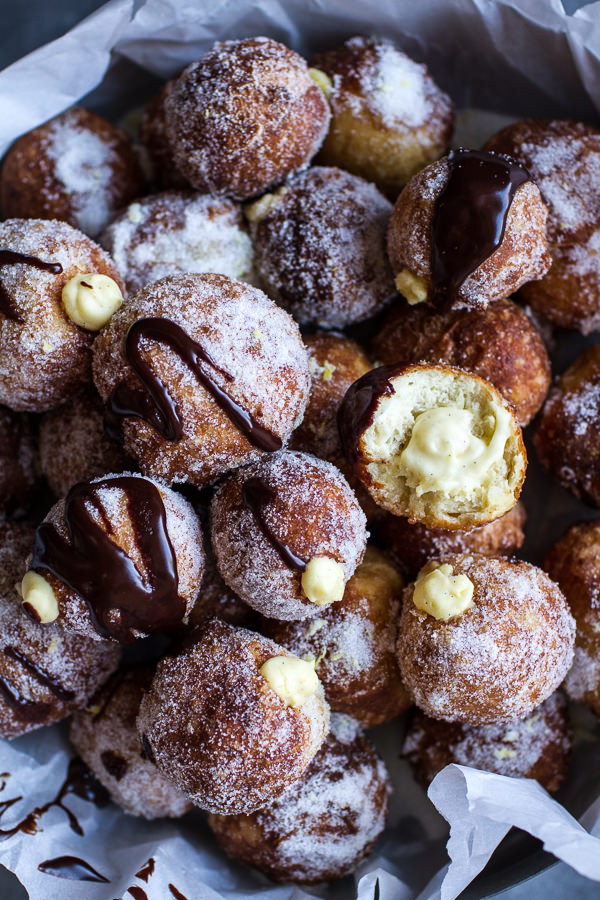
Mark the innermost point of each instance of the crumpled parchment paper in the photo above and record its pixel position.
(517, 57)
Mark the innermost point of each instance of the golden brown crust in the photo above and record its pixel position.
(512, 648)
(105, 736)
(47, 173)
(499, 343)
(335, 362)
(536, 747)
(567, 435)
(325, 823)
(389, 118)
(154, 137)
(563, 158)
(74, 446)
(320, 247)
(212, 723)
(243, 117)
(46, 357)
(522, 255)
(574, 562)
(412, 544)
(353, 642)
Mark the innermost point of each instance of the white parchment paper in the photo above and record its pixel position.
(517, 57)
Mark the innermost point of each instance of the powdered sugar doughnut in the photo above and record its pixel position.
(389, 118)
(567, 432)
(325, 823)
(574, 562)
(243, 117)
(536, 747)
(105, 737)
(497, 642)
(19, 464)
(45, 673)
(281, 524)
(45, 357)
(177, 232)
(320, 247)
(74, 446)
(77, 167)
(499, 343)
(228, 367)
(353, 643)
(563, 158)
(468, 230)
(212, 722)
(412, 544)
(123, 557)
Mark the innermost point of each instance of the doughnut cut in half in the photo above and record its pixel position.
(434, 443)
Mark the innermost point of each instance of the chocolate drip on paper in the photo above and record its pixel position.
(9, 257)
(73, 868)
(256, 493)
(119, 598)
(153, 403)
(469, 217)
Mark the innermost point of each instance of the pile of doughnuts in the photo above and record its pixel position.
(302, 321)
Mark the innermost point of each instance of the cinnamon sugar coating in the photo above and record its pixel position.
(112, 508)
(499, 343)
(153, 133)
(335, 362)
(563, 158)
(320, 247)
(46, 672)
(74, 446)
(216, 599)
(412, 544)
(19, 464)
(567, 432)
(389, 118)
(212, 723)
(105, 737)
(325, 823)
(244, 117)
(77, 167)
(311, 511)
(574, 563)
(522, 255)
(45, 357)
(177, 232)
(537, 747)
(263, 368)
(512, 648)
(353, 643)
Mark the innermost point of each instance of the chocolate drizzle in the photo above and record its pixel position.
(356, 411)
(153, 403)
(469, 217)
(73, 868)
(91, 564)
(9, 257)
(40, 675)
(146, 871)
(256, 494)
(114, 764)
(79, 781)
(137, 893)
(177, 894)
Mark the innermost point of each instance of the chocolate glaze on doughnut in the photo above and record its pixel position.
(469, 218)
(155, 405)
(9, 257)
(356, 411)
(255, 494)
(102, 573)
